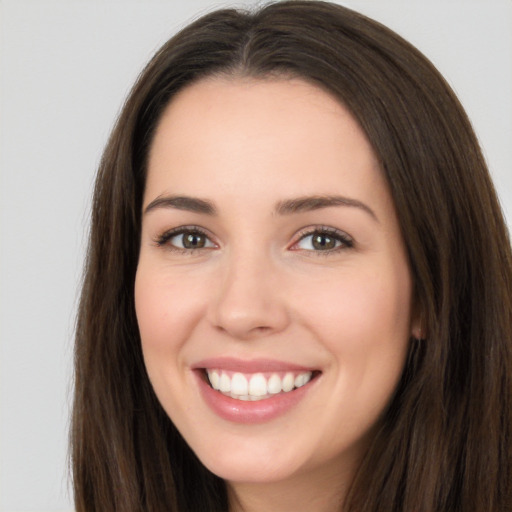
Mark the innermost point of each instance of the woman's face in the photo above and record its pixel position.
(271, 265)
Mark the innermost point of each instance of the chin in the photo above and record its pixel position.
(252, 461)
(233, 469)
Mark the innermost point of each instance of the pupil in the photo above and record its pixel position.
(323, 242)
(193, 241)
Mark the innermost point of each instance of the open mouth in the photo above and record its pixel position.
(256, 386)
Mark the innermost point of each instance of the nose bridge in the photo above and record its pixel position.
(248, 301)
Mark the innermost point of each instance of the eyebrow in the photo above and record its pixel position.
(285, 207)
(310, 203)
(191, 204)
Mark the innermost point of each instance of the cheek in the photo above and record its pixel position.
(166, 310)
(361, 311)
(363, 320)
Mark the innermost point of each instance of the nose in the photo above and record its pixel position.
(249, 301)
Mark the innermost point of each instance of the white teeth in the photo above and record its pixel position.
(302, 379)
(239, 384)
(274, 384)
(225, 383)
(214, 379)
(256, 386)
(288, 382)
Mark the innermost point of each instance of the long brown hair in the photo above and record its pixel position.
(445, 441)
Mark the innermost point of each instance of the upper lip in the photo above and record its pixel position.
(249, 366)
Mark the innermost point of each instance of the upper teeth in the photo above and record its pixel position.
(256, 386)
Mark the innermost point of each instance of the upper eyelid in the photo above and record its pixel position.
(298, 236)
(310, 230)
(346, 241)
(170, 233)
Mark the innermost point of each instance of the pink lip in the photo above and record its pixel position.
(252, 366)
(239, 411)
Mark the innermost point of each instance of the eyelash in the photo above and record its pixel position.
(340, 238)
(165, 237)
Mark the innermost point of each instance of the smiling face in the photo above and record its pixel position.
(273, 269)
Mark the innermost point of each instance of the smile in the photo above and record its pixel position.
(257, 386)
(255, 391)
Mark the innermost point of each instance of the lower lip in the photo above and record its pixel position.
(260, 411)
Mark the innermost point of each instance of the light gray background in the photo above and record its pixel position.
(65, 68)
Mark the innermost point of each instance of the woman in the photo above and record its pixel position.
(299, 281)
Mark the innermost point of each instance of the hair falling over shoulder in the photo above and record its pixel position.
(445, 443)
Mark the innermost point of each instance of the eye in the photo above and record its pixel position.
(190, 240)
(323, 240)
(186, 239)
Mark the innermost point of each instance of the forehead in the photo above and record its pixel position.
(278, 106)
(238, 133)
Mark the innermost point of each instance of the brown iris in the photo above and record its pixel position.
(323, 242)
(194, 240)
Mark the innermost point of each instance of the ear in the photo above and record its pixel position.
(418, 333)
(418, 327)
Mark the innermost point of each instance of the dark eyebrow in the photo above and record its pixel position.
(285, 207)
(309, 203)
(191, 204)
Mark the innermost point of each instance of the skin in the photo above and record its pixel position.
(260, 289)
